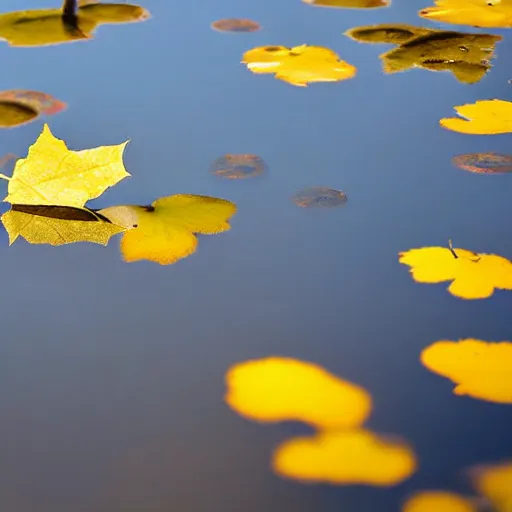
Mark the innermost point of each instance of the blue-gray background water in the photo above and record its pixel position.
(112, 374)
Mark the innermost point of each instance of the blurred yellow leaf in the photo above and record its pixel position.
(478, 13)
(164, 231)
(474, 276)
(480, 369)
(51, 174)
(438, 501)
(350, 4)
(41, 27)
(386, 33)
(300, 65)
(42, 229)
(15, 113)
(485, 117)
(495, 483)
(279, 389)
(346, 457)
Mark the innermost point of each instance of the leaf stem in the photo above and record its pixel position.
(450, 246)
(3, 176)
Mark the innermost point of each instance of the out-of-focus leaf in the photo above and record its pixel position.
(495, 483)
(346, 457)
(477, 13)
(349, 4)
(480, 369)
(474, 276)
(164, 231)
(485, 117)
(386, 33)
(300, 65)
(279, 389)
(51, 174)
(438, 501)
(14, 113)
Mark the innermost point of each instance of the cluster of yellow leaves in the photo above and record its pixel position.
(300, 65)
(485, 117)
(49, 188)
(341, 451)
(42, 27)
(473, 275)
(478, 13)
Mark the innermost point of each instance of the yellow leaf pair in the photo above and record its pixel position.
(342, 451)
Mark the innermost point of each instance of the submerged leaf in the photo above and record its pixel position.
(38, 101)
(480, 369)
(346, 457)
(164, 231)
(485, 117)
(235, 25)
(238, 166)
(349, 4)
(484, 163)
(438, 501)
(15, 113)
(386, 33)
(474, 276)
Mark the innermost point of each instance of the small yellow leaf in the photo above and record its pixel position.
(485, 117)
(495, 483)
(438, 501)
(37, 229)
(346, 458)
(280, 389)
(51, 174)
(480, 369)
(164, 231)
(474, 276)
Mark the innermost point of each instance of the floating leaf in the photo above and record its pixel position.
(164, 231)
(279, 389)
(480, 369)
(438, 501)
(346, 457)
(238, 166)
(474, 276)
(235, 25)
(300, 65)
(392, 33)
(495, 483)
(14, 113)
(51, 174)
(349, 4)
(477, 13)
(484, 163)
(39, 101)
(485, 117)
(320, 197)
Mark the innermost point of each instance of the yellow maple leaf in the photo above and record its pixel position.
(57, 225)
(345, 457)
(42, 27)
(474, 276)
(51, 174)
(299, 65)
(480, 369)
(477, 13)
(485, 117)
(278, 389)
(438, 501)
(495, 483)
(164, 231)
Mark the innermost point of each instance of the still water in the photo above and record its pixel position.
(112, 374)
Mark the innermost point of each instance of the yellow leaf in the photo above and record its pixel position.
(346, 457)
(164, 231)
(279, 389)
(477, 13)
(474, 276)
(300, 65)
(15, 113)
(480, 369)
(485, 117)
(37, 229)
(438, 501)
(349, 4)
(495, 483)
(41, 27)
(53, 175)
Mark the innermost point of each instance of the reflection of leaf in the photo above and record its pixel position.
(51, 174)
(478, 13)
(299, 65)
(438, 501)
(480, 369)
(474, 276)
(39, 27)
(279, 389)
(40, 229)
(346, 457)
(495, 483)
(14, 113)
(350, 4)
(164, 231)
(393, 33)
(485, 117)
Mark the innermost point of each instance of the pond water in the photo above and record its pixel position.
(112, 374)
